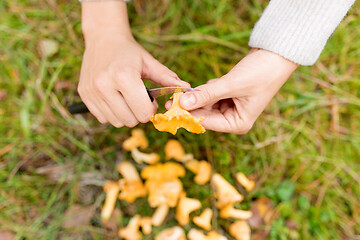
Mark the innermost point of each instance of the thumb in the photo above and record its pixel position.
(160, 74)
(208, 94)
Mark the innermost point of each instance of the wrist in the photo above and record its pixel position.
(103, 18)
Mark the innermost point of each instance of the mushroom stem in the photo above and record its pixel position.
(140, 157)
(146, 225)
(240, 230)
(112, 190)
(174, 233)
(225, 192)
(131, 231)
(128, 171)
(230, 212)
(159, 215)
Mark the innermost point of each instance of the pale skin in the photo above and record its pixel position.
(114, 65)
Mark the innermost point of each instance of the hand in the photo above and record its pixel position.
(113, 66)
(233, 102)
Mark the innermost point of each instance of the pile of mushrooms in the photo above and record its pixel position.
(160, 183)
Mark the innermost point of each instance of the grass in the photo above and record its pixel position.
(304, 150)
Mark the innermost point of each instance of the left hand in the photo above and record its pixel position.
(233, 102)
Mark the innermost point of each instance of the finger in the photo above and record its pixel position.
(95, 111)
(133, 90)
(229, 122)
(160, 74)
(209, 94)
(120, 109)
(168, 104)
(108, 113)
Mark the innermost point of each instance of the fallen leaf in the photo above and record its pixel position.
(3, 94)
(78, 215)
(63, 85)
(112, 225)
(7, 235)
(261, 209)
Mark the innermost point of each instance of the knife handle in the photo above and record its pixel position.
(80, 107)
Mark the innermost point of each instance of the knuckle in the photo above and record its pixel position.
(100, 84)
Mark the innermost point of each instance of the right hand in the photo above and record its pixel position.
(111, 82)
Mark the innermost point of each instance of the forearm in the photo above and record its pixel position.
(99, 17)
(298, 29)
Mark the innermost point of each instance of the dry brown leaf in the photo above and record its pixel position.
(7, 235)
(3, 94)
(78, 215)
(261, 209)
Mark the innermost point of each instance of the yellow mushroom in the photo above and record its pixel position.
(131, 231)
(204, 220)
(195, 234)
(184, 208)
(176, 118)
(169, 170)
(131, 186)
(112, 190)
(240, 230)
(245, 182)
(230, 212)
(202, 169)
(146, 225)
(128, 171)
(137, 139)
(174, 233)
(140, 157)
(225, 192)
(174, 150)
(159, 215)
(131, 190)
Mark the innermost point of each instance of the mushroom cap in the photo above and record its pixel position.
(163, 192)
(174, 233)
(140, 157)
(184, 208)
(137, 139)
(225, 192)
(213, 235)
(173, 149)
(169, 170)
(131, 231)
(131, 190)
(230, 212)
(245, 182)
(195, 234)
(176, 118)
(204, 220)
(240, 230)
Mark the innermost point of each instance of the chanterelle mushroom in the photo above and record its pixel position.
(163, 184)
(160, 215)
(225, 192)
(202, 169)
(204, 220)
(174, 233)
(230, 212)
(195, 234)
(146, 225)
(173, 149)
(131, 231)
(184, 208)
(131, 186)
(131, 190)
(245, 182)
(137, 139)
(140, 157)
(176, 118)
(112, 190)
(240, 230)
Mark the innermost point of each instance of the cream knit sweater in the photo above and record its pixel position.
(298, 29)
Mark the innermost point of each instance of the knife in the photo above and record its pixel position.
(153, 93)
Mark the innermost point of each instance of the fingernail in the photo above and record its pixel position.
(187, 100)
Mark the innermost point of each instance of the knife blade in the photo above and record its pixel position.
(80, 107)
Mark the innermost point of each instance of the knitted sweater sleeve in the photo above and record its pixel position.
(298, 29)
